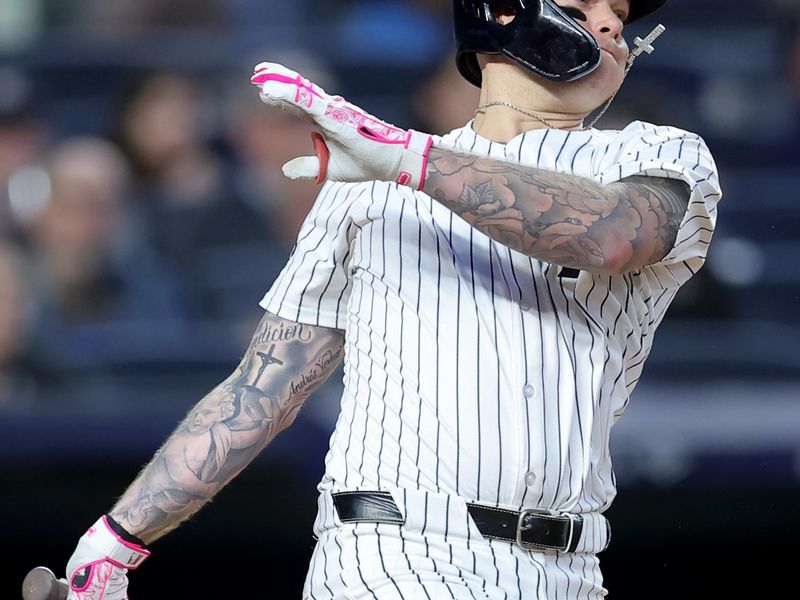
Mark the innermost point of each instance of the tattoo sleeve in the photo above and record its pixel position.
(227, 429)
(560, 218)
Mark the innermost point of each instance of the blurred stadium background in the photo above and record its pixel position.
(143, 215)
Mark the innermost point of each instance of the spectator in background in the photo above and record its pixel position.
(91, 273)
(85, 252)
(188, 202)
(164, 133)
(17, 311)
(786, 153)
(122, 17)
(22, 139)
(137, 15)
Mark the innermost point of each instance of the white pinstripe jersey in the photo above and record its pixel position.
(470, 368)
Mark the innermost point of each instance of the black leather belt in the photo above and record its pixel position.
(535, 529)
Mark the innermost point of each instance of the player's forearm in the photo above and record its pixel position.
(170, 489)
(226, 430)
(559, 218)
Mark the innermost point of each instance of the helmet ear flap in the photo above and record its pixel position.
(469, 67)
(541, 37)
(473, 20)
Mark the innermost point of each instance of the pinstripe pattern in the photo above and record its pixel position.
(474, 370)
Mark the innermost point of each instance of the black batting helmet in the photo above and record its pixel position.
(542, 37)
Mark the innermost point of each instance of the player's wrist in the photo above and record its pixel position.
(123, 533)
(108, 540)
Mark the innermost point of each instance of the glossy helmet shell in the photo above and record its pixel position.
(541, 37)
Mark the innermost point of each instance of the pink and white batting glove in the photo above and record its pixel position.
(97, 570)
(353, 145)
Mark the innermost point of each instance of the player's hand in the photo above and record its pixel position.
(352, 145)
(98, 568)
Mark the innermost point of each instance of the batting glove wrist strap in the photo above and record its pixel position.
(414, 160)
(105, 540)
(352, 145)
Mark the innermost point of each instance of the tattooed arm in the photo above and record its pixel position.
(559, 218)
(227, 429)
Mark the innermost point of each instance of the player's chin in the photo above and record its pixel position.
(606, 79)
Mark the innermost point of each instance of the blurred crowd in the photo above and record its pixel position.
(142, 221)
(149, 235)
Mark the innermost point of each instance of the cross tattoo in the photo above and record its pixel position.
(266, 360)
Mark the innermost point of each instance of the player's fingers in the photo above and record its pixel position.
(287, 106)
(277, 68)
(310, 167)
(279, 85)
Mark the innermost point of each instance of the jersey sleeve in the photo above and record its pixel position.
(673, 153)
(314, 285)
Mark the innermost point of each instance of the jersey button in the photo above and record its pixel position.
(529, 391)
(525, 306)
(530, 479)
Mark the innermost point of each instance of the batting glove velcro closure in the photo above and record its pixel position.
(414, 160)
(112, 546)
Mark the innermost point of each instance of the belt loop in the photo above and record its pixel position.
(568, 545)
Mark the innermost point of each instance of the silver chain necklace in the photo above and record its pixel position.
(642, 45)
(482, 109)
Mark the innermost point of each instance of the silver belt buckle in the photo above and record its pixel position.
(522, 526)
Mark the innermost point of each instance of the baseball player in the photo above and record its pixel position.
(493, 292)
